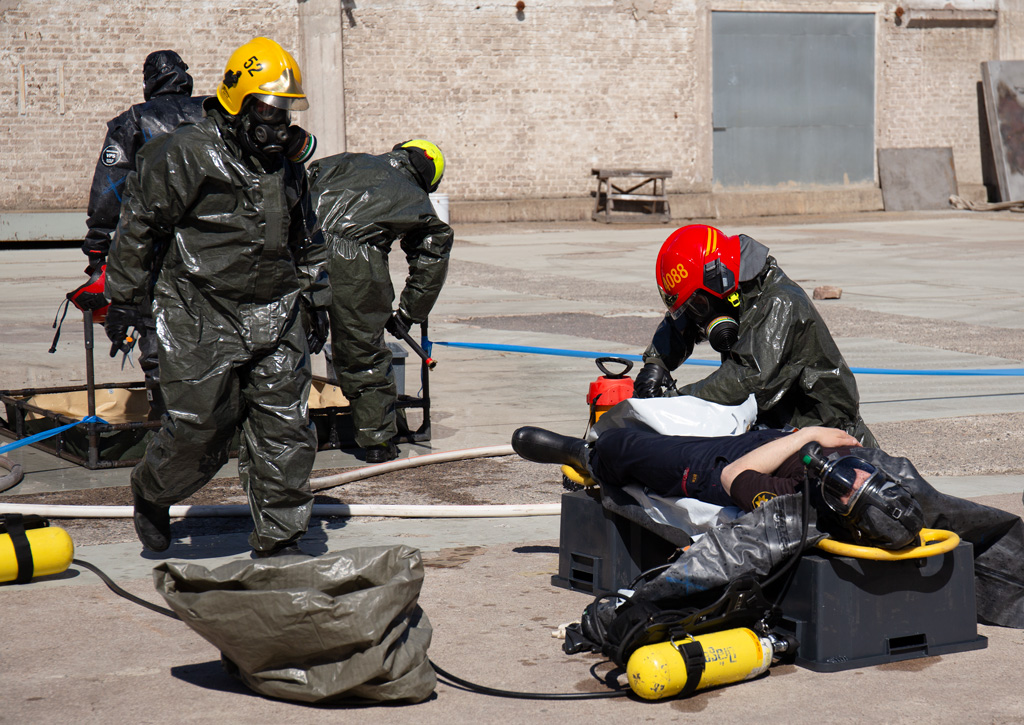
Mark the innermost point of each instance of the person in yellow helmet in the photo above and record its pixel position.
(366, 203)
(217, 239)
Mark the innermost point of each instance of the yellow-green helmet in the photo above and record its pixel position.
(263, 69)
(428, 160)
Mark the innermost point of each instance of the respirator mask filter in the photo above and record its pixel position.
(714, 318)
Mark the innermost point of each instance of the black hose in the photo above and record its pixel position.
(123, 593)
(481, 689)
(454, 681)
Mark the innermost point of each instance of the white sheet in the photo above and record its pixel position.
(681, 416)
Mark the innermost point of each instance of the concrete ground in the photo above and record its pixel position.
(923, 291)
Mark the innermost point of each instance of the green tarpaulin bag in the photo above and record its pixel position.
(343, 627)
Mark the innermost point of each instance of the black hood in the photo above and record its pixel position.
(165, 72)
(422, 168)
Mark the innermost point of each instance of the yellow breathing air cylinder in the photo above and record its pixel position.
(656, 671)
(52, 552)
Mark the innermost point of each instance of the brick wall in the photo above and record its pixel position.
(49, 144)
(928, 96)
(524, 104)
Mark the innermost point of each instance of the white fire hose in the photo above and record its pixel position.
(324, 482)
(338, 479)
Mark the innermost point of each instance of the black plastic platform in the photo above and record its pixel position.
(845, 612)
(849, 613)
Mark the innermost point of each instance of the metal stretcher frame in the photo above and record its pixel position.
(61, 445)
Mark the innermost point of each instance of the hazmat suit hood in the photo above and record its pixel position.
(415, 166)
(164, 72)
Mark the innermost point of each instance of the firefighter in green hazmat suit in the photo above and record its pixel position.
(774, 344)
(217, 238)
(364, 203)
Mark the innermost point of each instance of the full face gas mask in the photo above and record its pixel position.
(266, 130)
(867, 503)
(717, 318)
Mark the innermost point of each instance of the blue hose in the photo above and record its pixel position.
(997, 372)
(49, 433)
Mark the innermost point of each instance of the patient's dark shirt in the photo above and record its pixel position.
(750, 489)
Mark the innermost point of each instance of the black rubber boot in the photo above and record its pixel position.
(382, 453)
(544, 446)
(152, 524)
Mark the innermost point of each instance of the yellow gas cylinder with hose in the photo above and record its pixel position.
(665, 669)
(45, 550)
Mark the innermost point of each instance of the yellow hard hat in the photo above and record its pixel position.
(431, 153)
(263, 69)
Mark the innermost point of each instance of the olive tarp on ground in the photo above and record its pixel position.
(343, 627)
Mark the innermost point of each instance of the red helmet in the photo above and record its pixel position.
(697, 266)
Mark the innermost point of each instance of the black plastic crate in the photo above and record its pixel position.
(600, 551)
(849, 613)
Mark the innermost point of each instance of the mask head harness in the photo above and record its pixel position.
(866, 501)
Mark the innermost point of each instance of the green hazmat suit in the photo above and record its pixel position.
(222, 245)
(784, 354)
(364, 204)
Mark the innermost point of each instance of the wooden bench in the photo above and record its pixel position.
(640, 197)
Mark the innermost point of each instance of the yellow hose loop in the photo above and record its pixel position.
(933, 542)
(576, 477)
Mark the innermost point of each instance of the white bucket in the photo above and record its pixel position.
(440, 202)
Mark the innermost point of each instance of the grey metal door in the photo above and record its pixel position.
(794, 98)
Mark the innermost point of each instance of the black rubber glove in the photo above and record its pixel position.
(398, 324)
(121, 319)
(318, 329)
(651, 381)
